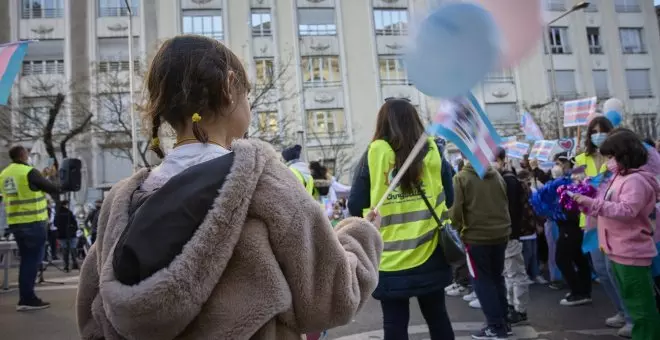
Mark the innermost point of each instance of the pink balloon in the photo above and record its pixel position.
(521, 26)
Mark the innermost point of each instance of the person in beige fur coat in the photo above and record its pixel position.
(262, 263)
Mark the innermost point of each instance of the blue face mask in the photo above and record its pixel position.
(598, 139)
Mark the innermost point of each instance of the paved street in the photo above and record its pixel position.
(548, 320)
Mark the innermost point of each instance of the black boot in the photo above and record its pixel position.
(65, 255)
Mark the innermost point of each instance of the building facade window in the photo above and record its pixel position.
(265, 72)
(391, 21)
(316, 21)
(203, 22)
(565, 84)
(559, 40)
(601, 83)
(268, 122)
(556, 5)
(109, 66)
(325, 122)
(33, 67)
(592, 7)
(392, 70)
(261, 23)
(117, 8)
(626, 6)
(321, 71)
(631, 40)
(593, 37)
(35, 9)
(503, 75)
(639, 83)
(502, 113)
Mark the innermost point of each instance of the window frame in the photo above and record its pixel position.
(339, 125)
(640, 94)
(265, 124)
(315, 30)
(29, 12)
(627, 6)
(641, 48)
(268, 65)
(307, 67)
(594, 41)
(601, 94)
(555, 5)
(118, 10)
(402, 26)
(261, 32)
(564, 94)
(400, 68)
(564, 46)
(43, 65)
(201, 15)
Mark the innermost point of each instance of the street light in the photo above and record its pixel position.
(553, 80)
(131, 70)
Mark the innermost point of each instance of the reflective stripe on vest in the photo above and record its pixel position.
(409, 232)
(22, 204)
(590, 170)
(308, 182)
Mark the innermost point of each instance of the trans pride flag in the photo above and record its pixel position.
(530, 128)
(577, 112)
(463, 122)
(11, 60)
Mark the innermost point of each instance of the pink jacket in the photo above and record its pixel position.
(625, 232)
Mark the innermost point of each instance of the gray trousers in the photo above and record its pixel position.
(515, 276)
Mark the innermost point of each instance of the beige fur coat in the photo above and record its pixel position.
(264, 264)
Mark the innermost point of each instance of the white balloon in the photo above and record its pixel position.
(613, 104)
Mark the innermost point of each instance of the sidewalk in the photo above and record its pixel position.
(57, 322)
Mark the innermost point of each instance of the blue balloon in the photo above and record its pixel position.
(456, 46)
(614, 117)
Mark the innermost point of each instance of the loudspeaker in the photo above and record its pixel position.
(69, 173)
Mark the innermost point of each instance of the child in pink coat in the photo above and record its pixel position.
(625, 231)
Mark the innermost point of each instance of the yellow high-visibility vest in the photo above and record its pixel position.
(590, 170)
(22, 204)
(408, 229)
(307, 181)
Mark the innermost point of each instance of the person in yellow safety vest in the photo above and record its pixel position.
(594, 164)
(300, 169)
(26, 210)
(412, 264)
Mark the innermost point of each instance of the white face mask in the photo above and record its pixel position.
(557, 171)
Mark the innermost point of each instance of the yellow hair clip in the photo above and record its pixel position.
(196, 117)
(155, 141)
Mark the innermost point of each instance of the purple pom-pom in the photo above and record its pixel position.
(569, 203)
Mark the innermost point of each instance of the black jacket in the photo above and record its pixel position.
(516, 195)
(66, 223)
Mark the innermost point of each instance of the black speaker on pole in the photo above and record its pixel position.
(69, 172)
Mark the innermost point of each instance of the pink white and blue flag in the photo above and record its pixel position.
(11, 60)
(530, 128)
(463, 122)
(577, 112)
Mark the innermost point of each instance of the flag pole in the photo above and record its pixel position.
(406, 164)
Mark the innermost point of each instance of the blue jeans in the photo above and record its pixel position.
(69, 250)
(31, 241)
(487, 263)
(396, 316)
(604, 273)
(531, 255)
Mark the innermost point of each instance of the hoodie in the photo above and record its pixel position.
(623, 206)
(481, 209)
(263, 264)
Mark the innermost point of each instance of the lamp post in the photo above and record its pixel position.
(131, 70)
(553, 79)
(301, 138)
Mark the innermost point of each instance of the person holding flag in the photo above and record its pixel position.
(413, 263)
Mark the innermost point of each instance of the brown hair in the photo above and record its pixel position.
(190, 75)
(399, 125)
(627, 149)
(605, 127)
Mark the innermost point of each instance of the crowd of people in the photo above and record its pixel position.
(228, 239)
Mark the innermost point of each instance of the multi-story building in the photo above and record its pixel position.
(340, 59)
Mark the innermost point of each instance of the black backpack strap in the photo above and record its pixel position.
(429, 206)
(167, 219)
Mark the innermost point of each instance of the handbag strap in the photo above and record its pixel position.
(429, 206)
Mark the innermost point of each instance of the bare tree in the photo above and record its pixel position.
(39, 116)
(333, 149)
(274, 84)
(112, 126)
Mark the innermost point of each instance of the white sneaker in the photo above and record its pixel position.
(475, 304)
(540, 280)
(451, 287)
(625, 331)
(470, 297)
(616, 321)
(458, 291)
